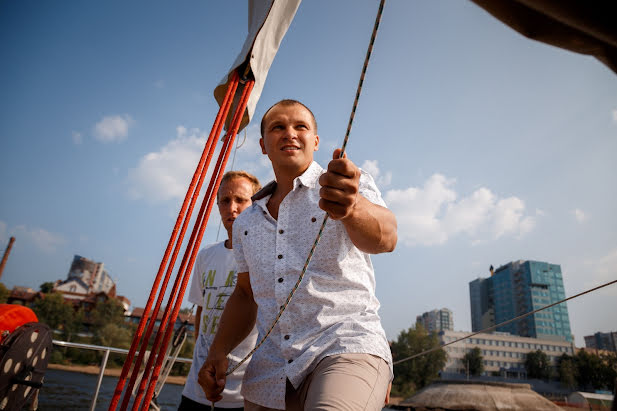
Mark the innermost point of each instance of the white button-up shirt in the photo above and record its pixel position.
(334, 310)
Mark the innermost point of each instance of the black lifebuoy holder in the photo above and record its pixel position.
(24, 356)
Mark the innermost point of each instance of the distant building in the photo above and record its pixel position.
(502, 353)
(86, 281)
(602, 341)
(436, 320)
(517, 288)
(481, 299)
(23, 296)
(87, 276)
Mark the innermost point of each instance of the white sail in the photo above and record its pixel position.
(268, 21)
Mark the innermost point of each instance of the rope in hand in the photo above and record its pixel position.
(325, 219)
(520, 317)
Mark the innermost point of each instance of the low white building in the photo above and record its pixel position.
(502, 353)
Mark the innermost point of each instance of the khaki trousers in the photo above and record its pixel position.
(342, 382)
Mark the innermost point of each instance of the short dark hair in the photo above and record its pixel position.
(230, 175)
(287, 102)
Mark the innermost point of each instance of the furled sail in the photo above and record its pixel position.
(268, 21)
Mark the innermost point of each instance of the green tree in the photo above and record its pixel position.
(412, 375)
(609, 370)
(114, 335)
(4, 294)
(567, 371)
(73, 324)
(53, 311)
(105, 312)
(537, 365)
(47, 287)
(473, 361)
(593, 371)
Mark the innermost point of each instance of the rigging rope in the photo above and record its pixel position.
(520, 317)
(169, 317)
(197, 235)
(325, 219)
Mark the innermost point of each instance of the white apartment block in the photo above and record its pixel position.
(502, 353)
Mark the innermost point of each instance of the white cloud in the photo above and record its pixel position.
(165, 174)
(434, 213)
(44, 240)
(509, 218)
(77, 137)
(159, 84)
(580, 215)
(614, 115)
(113, 128)
(372, 167)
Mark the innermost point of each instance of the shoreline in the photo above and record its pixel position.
(109, 372)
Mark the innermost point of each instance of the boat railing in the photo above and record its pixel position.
(106, 351)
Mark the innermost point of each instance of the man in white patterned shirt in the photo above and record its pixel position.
(328, 351)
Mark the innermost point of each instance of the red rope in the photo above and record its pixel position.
(190, 195)
(192, 250)
(211, 144)
(166, 326)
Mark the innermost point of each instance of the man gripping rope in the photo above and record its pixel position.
(329, 350)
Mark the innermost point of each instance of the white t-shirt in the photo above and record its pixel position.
(214, 279)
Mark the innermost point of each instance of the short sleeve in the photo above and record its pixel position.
(369, 189)
(196, 293)
(241, 264)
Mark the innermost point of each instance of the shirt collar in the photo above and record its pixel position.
(308, 179)
(310, 176)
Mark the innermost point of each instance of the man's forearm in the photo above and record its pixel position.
(236, 323)
(371, 228)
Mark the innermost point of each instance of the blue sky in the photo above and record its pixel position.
(489, 147)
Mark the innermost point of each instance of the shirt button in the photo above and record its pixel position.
(280, 256)
(290, 361)
(246, 233)
(313, 219)
(281, 231)
(281, 307)
(264, 212)
(280, 280)
(286, 337)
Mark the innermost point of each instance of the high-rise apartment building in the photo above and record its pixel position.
(518, 288)
(436, 320)
(602, 341)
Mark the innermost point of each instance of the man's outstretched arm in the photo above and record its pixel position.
(236, 323)
(371, 227)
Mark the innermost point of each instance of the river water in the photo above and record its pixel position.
(65, 390)
(68, 391)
